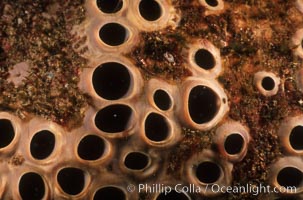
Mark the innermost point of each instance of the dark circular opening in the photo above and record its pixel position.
(110, 192)
(203, 104)
(7, 132)
(208, 172)
(162, 100)
(268, 83)
(296, 138)
(150, 10)
(111, 80)
(113, 34)
(91, 147)
(173, 195)
(42, 144)
(212, 3)
(136, 160)
(113, 118)
(233, 143)
(290, 176)
(205, 59)
(31, 186)
(110, 6)
(156, 127)
(71, 180)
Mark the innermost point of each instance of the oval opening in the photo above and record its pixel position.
(114, 118)
(290, 176)
(91, 147)
(136, 160)
(203, 104)
(234, 143)
(205, 59)
(110, 6)
(150, 10)
(208, 172)
(173, 195)
(296, 138)
(111, 80)
(113, 34)
(7, 132)
(156, 127)
(162, 100)
(71, 180)
(42, 144)
(268, 83)
(31, 186)
(212, 3)
(110, 192)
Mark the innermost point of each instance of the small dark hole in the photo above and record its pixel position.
(113, 118)
(7, 132)
(203, 104)
(150, 10)
(156, 127)
(208, 172)
(91, 147)
(31, 186)
(113, 34)
(162, 100)
(111, 80)
(268, 83)
(136, 160)
(110, 6)
(290, 176)
(109, 192)
(42, 144)
(173, 195)
(296, 138)
(71, 180)
(212, 3)
(205, 59)
(233, 143)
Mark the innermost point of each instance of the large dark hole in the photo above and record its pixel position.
(91, 147)
(268, 83)
(71, 180)
(173, 195)
(205, 59)
(290, 176)
(208, 172)
(296, 138)
(233, 143)
(202, 104)
(162, 100)
(31, 186)
(42, 144)
(113, 34)
(111, 80)
(7, 132)
(150, 10)
(212, 3)
(156, 127)
(110, 6)
(136, 161)
(113, 118)
(108, 193)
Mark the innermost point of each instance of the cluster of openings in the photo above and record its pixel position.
(110, 192)
(114, 118)
(150, 10)
(203, 104)
(136, 161)
(42, 144)
(268, 83)
(7, 132)
(71, 180)
(290, 177)
(234, 143)
(31, 186)
(205, 59)
(296, 138)
(110, 6)
(91, 147)
(156, 127)
(208, 172)
(111, 80)
(162, 99)
(113, 34)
